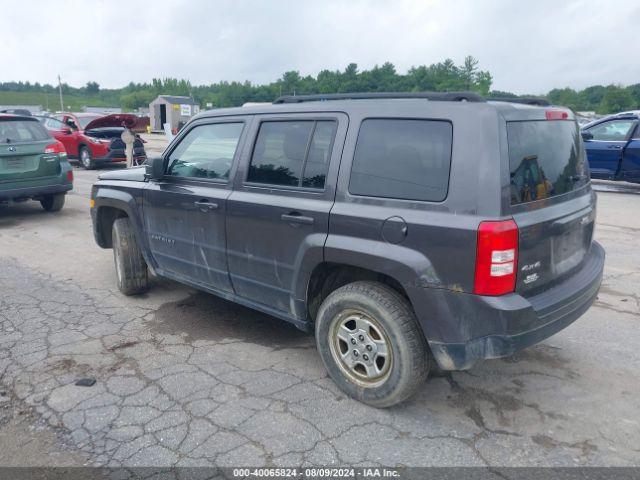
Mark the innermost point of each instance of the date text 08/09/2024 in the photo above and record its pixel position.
(316, 473)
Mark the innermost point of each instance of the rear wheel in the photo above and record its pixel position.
(371, 344)
(85, 158)
(131, 269)
(53, 202)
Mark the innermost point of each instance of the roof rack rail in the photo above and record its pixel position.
(434, 96)
(540, 102)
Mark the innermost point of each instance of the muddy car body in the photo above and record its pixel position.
(404, 229)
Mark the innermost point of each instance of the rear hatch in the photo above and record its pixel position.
(24, 152)
(551, 199)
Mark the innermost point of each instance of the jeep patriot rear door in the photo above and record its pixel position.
(278, 213)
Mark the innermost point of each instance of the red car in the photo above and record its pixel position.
(93, 139)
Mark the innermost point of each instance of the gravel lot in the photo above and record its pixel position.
(184, 378)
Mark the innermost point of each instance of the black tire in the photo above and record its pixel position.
(53, 202)
(409, 365)
(85, 159)
(131, 269)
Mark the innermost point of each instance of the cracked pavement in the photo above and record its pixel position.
(187, 379)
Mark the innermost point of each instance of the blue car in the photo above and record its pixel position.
(613, 147)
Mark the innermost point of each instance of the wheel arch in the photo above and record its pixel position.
(329, 276)
(110, 204)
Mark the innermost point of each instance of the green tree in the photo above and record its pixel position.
(92, 88)
(616, 99)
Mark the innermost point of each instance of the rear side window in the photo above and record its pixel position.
(16, 131)
(292, 153)
(404, 159)
(546, 159)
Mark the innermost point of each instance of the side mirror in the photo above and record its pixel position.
(587, 136)
(155, 168)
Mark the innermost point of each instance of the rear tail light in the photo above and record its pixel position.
(496, 258)
(56, 148)
(70, 175)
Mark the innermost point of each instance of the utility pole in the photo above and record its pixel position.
(60, 90)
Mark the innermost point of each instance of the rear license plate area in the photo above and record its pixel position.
(14, 163)
(568, 250)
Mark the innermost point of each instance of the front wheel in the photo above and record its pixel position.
(85, 159)
(371, 344)
(53, 203)
(131, 269)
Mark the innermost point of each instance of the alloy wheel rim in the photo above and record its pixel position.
(86, 160)
(361, 348)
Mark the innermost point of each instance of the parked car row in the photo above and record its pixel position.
(35, 152)
(93, 140)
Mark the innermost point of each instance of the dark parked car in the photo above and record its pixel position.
(33, 166)
(404, 231)
(613, 147)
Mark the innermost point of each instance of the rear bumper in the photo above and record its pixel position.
(517, 322)
(31, 192)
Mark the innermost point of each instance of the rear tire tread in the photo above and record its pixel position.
(135, 277)
(401, 314)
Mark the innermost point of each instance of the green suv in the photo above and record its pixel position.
(33, 165)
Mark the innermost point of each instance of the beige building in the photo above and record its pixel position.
(172, 109)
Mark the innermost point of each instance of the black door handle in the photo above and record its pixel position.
(296, 217)
(206, 205)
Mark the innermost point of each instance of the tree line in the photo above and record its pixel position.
(442, 76)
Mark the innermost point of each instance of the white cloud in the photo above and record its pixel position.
(529, 47)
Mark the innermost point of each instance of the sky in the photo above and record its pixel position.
(528, 46)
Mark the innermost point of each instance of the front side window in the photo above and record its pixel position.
(612, 131)
(54, 124)
(403, 159)
(207, 151)
(292, 153)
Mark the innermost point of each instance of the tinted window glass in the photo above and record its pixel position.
(546, 159)
(279, 153)
(405, 159)
(317, 164)
(613, 131)
(207, 151)
(12, 131)
(54, 124)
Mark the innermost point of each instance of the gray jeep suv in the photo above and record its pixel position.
(405, 229)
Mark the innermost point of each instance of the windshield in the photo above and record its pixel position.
(86, 120)
(17, 131)
(546, 159)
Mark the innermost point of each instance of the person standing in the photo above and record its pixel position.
(128, 138)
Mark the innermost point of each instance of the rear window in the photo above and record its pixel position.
(404, 159)
(546, 159)
(16, 131)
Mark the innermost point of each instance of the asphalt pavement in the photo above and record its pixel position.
(185, 378)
